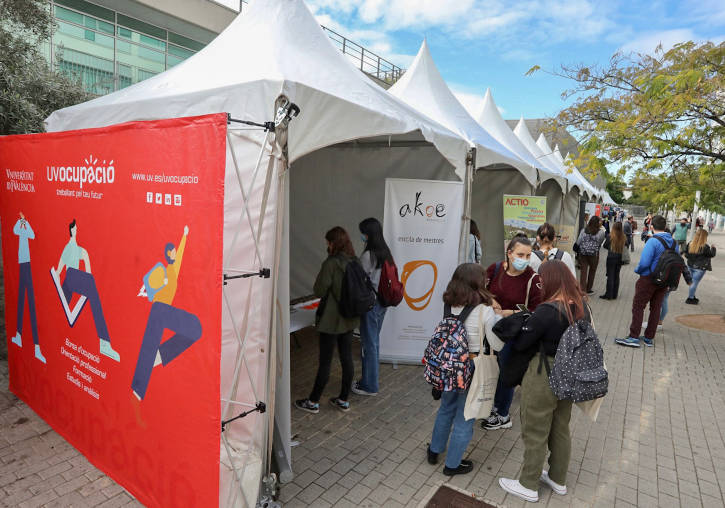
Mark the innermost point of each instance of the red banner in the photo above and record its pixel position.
(112, 255)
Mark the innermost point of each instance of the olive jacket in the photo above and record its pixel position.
(328, 286)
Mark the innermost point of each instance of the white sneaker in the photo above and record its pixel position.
(356, 389)
(558, 489)
(518, 490)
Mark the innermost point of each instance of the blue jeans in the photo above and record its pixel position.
(370, 326)
(450, 414)
(665, 306)
(504, 395)
(697, 276)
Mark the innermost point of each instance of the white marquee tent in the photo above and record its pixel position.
(349, 136)
(423, 87)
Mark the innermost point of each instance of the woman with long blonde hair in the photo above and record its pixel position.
(615, 244)
(698, 254)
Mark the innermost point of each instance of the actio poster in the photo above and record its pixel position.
(112, 256)
(522, 213)
(422, 225)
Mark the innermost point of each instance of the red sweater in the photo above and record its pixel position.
(510, 290)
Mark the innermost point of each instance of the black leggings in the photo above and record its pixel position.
(327, 348)
(614, 265)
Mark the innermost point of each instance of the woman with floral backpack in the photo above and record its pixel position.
(465, 296)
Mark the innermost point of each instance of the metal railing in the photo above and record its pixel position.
(364, 59)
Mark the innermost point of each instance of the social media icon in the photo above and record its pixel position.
(177, 199)
(167, 199)
(149, 197)
(159, 198)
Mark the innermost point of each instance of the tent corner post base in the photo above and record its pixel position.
(283, 463)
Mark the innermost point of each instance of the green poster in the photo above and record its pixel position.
(523, 213)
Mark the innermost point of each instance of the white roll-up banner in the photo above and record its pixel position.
(422, 225)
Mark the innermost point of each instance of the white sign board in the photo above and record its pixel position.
(422, 225)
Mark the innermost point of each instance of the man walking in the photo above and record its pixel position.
(680, 233)
(627, 230)
(646, 291)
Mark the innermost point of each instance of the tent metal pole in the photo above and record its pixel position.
(467, 195)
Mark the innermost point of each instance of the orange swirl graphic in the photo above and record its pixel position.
(408, 269)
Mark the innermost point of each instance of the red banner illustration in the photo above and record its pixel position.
(112, 255)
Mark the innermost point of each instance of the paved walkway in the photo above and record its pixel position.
(659, 440)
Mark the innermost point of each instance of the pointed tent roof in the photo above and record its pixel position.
(522, 133)
(291, 56)
(490, 119)
(548, 156)
(583, 184)
(423, 88)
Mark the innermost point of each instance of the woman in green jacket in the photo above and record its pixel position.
(331, 325)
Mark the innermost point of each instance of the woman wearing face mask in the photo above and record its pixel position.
(375, 253)
(512, 282)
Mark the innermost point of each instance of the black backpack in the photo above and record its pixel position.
(357, 295)
(559, 254)
(669, 267)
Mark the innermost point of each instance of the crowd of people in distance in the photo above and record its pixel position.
(534, 291)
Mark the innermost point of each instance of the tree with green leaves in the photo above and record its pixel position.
(30, 89)
(660, 117)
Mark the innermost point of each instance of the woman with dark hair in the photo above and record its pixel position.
(615, 244)
(331, 325)
(544, 418)
(474, 244)
(375, 253)
(545, 237)
(513, 283)
(466, 292)
(590, 241)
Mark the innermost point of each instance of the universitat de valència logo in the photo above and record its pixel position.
(94, 171)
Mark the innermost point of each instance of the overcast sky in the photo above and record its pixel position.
(490, 43)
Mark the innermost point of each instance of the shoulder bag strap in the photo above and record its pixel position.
(528, 290)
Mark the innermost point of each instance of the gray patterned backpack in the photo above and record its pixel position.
(578, 373)
(589, 246)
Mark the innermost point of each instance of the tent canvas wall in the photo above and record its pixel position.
(293, 61)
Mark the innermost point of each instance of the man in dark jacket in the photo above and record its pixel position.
(645, 291)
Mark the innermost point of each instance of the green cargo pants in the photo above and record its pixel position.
(544, 422)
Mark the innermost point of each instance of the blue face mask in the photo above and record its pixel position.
(520, 264)
(364, 238)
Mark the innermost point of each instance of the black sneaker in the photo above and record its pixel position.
(340, 404)
(432, 457)
(466, 466)
(307, 405)
(496, 421)
(691, 301)
(604, 297)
